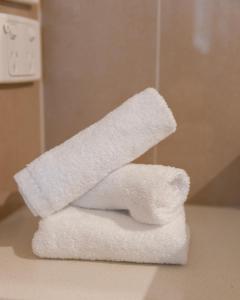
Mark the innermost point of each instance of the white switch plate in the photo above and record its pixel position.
(20, 58)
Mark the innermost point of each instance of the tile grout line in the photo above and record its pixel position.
(157, 63)
(41, 90)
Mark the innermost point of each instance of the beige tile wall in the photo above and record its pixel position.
(19, 126)
(199, 75)
(97, 53)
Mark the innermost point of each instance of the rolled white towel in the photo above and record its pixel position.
(153, 194)
(71, 169)
(77, 233)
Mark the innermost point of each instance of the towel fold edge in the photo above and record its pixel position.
(30, 190)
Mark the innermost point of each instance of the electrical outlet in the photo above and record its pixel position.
(19, 49)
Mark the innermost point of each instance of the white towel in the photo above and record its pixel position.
(153, 194)
(77, 233)
(71, 169)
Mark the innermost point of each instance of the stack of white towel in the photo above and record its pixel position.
(96, 205)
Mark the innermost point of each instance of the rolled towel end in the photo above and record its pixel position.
(165, 195)
(170, 121)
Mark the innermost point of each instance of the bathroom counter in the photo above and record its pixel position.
(212, 272)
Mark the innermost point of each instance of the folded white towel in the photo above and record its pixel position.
(153, 194)
(77, 233)
(68, 171)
